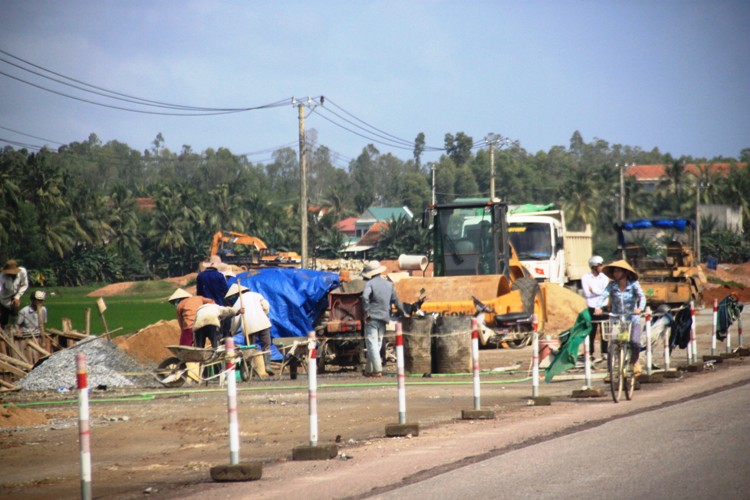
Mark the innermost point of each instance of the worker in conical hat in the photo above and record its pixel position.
(625, 297)
(186, 306)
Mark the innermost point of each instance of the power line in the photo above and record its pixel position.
(29, 135)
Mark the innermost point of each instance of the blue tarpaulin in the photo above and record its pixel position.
(296, 296)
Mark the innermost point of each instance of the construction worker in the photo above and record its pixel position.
(14, 281)
(255, 319)
(593, 284)
(377, 298)
(32, 317)
(187, 307)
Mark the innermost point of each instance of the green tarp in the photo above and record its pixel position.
(570, 341)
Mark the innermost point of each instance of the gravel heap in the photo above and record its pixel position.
(107, 366)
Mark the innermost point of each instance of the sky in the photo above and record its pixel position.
(666, 74)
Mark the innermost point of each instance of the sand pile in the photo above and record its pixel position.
(13, 416)
(563, 307)
(149, 344)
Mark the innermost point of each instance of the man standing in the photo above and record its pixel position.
(187, 307)
(255, 318)
(14, 281)
(211, 282)
(32, 317)
(377, 298)
(593, 284)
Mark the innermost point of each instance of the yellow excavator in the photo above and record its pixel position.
(477, 273)
(249, 251)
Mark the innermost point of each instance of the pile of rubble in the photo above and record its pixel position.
(108, 366)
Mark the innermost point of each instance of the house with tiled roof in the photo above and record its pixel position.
(369, 226)
(650, 176)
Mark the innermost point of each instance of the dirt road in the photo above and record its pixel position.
(162, 443)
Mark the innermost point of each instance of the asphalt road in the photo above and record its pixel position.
(693, 449)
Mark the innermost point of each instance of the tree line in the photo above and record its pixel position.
(73, 216)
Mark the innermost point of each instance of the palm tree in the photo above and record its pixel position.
(580, 202)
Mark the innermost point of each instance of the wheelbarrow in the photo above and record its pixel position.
(174, 371)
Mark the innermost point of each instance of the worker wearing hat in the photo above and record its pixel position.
(14, 281)
(32, 317)
(378, 297)
(593, 284)
(625, 297)
(255, 323)
(186, 306)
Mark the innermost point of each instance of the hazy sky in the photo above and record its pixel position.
(671, 74)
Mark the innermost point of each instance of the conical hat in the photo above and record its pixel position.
(179, 294)
(622, 264)
(233, 290)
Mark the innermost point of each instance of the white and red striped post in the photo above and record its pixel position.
(234, 426)
(693, 340)
(586, 362)
(739, 329)
(534, 357)
(475, 361)
(666, 351)
(728, 339)
(649, 355)
(84, 431)
(714, 321)
(401, 375)
(312, 383)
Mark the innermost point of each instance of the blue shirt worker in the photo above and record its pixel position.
(625, 296)
(378, 297)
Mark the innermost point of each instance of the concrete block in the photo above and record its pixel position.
(477, 414)
(590, 392)
(673, 374)
(654, 378)
(540, 401)
(728, 355)
(246, 471)
(743, 351)
(695, 367)
(402, 430)
(319, 452)
(715, 358)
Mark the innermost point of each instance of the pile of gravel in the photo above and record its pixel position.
(107, 366)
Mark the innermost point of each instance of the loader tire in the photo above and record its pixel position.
(531, 297)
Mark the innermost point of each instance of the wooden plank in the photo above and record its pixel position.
(37, 347)
(16, 362)
(8, 385)
(8, 338)
(7, 367)
(68, 333)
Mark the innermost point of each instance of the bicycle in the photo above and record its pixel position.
(616, 333)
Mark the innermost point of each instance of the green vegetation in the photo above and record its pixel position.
(718, 281)
(103, 213)
(143, 304)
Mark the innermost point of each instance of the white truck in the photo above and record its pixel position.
(546, 248)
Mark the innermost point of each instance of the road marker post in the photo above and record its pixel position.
(693, 364)
(714, 320)
(84, 429)
(476, 412)
(536, 399)
(235, 471)
(402, 428)
(313, 451)
(588, 391)
(649, 376)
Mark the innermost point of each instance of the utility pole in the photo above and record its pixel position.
(492, 170)
(622, 190)
(303, 184)
(432, 167)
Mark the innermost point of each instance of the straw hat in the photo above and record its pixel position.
(622, 264)
(179, 294)
(11, 267)
(372, 268)
(235, 289)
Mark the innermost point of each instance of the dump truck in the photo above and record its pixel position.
(546, 247)
(662, 251)
(249, 251)
(477, 273)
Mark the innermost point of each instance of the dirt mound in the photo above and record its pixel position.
(148, 344)
(563, 307)
(111, 290)
(13, 416)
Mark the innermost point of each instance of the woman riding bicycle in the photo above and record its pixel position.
(625, 297)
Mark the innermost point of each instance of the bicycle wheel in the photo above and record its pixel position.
(629, 378)
(615, 371)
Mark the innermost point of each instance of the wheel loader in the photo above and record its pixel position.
(476, 273)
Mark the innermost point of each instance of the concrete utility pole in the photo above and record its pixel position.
(698, 221)
(492, 170)
(622, 190)
(303, 184)
(432, 167)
